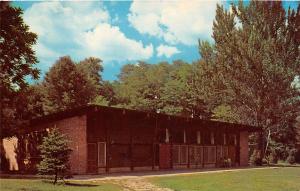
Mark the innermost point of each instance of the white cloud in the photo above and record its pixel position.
(57, 22)
(174, 21)
(167, 51)
(111, 44)
(80, 29)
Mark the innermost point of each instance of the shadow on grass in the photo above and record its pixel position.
(60, 183)
(284, 165)
(80, 185)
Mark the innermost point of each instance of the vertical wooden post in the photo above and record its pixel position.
(238, 148)
(171, 143)
(188, 145)
(107, 139)
(216, 158)
(153, 143)
(202, 141)
(131, 146)
(202, 156)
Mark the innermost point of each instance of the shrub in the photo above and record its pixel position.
(273, 158)
(297, 157)
(292, 156)
(264, 161)
(255, 158)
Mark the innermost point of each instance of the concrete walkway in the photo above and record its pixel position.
(138, 184)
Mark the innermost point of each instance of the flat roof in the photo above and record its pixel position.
(90, 108)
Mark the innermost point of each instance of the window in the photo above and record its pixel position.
(180, 154)
(198, 137)
(101, 154)
(224, 138)
(209, 153)
(235, 140)
(195, 154)
(212, 138)
(184, 136)
(167, 136)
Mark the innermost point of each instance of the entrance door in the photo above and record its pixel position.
(92, 158)
(101, 154)
(164, 156)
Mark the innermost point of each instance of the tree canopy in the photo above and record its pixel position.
(163, 87)
(254, 61)
(17, 60)
(68, 85)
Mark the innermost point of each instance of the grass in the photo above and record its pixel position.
(45, 185)
(280, 179)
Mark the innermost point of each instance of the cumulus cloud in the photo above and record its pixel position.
(174, 21)
(167, 51)
(110, 43)
(80, 29)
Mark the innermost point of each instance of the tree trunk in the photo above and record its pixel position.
(268, 141)
(55, 178)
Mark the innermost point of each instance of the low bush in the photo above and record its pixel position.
(255, 158)
(292, 156)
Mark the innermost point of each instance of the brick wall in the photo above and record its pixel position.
(75, 129)
(244, 148)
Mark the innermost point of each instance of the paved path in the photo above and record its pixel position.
(138, 184)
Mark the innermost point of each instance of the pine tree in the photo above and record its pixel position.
(55, 154)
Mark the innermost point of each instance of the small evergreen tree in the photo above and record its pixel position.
(55, 154)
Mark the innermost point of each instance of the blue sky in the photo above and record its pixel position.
(120, 32)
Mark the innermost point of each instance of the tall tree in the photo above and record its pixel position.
(162, 87)
(107, 93)
(17, 60)
(30, 102)
(68, 85)
(140, 85)
(255, 59)
(180, 95)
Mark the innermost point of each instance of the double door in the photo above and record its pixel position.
(96, 157)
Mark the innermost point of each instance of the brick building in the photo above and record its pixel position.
(105, 139)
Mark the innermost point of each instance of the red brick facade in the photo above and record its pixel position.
(244, 148)
(75, 129)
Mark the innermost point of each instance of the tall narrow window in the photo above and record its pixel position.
(184, 136)
(198, 137)
(235, 140)
(167, 136)
(224, 139)
(212, 138)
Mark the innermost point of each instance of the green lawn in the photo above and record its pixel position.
(41, 185)
(281, 179)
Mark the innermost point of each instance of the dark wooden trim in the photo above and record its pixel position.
(107, 144)
(131, 144)
(238, 147)
(202, 147)
(153, 143)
